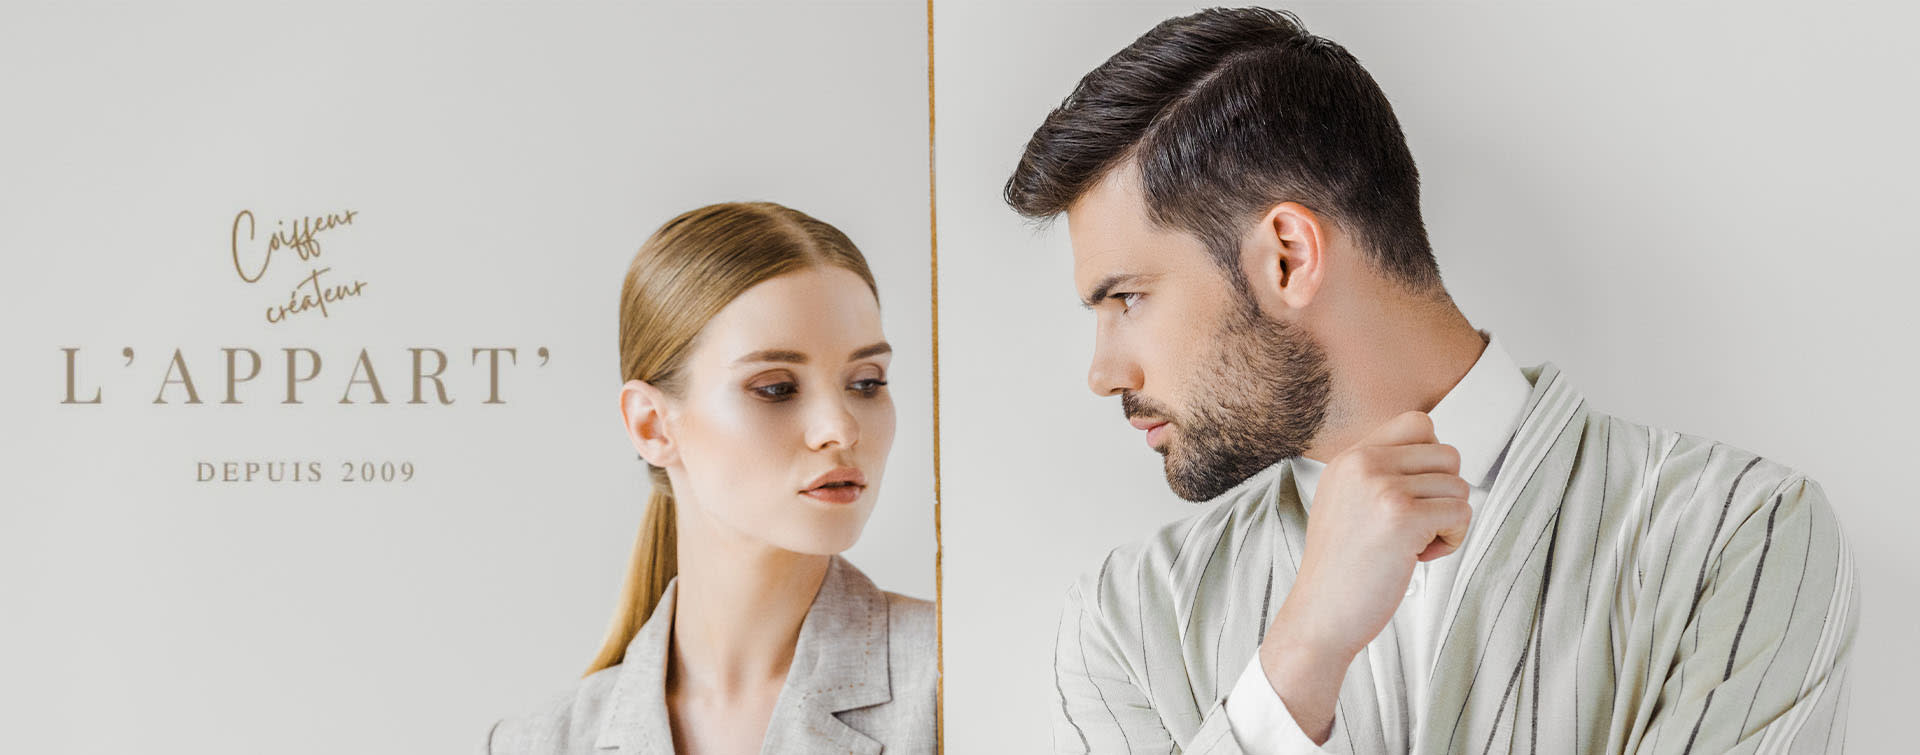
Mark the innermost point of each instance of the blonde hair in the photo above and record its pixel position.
(683, 275)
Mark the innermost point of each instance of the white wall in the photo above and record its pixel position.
(505, 160)
(1698, 211)
(1692, 208)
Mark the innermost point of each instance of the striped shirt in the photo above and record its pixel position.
(1477, 416)
(1634, 589)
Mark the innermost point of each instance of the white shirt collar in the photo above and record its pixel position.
(1478, 416)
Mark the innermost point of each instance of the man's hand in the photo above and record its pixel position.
(1394, 499)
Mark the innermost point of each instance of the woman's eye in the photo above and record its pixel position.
(869, 386)
(775, 391)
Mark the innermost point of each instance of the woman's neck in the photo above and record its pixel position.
(738, 608)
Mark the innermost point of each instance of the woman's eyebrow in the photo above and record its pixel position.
(795, 357)
(870, 351)
(773, 355)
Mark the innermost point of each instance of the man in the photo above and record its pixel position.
(1490, 564)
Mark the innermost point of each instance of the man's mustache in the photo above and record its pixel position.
(1134, 405)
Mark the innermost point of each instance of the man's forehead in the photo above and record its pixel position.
(1108, 226)
(1113, 204)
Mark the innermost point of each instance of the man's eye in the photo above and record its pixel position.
(775, 391)
(1127, 300)
(868, 387)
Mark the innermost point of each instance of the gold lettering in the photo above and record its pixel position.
(233, 381)
(493, 370)
(291, 380)
(346, 397)
(438, 387)
(96, 391)
(302, 238)
(180, 363)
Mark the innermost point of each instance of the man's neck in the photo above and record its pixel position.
(1389, 359)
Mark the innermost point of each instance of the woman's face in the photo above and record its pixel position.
(782, 427)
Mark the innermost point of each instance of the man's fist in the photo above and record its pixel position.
(1392, 500)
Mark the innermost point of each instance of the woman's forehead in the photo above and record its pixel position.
(817, 315)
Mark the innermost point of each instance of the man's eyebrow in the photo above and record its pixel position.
(870, 351)
(773, 355)
(1108, 284)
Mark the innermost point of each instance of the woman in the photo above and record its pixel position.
(755, 390)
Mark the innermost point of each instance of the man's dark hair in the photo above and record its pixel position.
(1227, 113)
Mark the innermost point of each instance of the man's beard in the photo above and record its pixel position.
(1260, 398)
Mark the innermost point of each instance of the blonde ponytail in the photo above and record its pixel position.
(653, 564)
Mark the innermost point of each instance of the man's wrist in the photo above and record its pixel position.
(1261, 723)
(1311, 676)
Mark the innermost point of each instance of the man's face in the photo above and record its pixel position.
(1221, 390)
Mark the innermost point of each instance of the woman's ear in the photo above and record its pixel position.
(644, 410)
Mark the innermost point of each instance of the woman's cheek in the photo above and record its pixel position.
(877, 419)
(735, 432)
(762, 435)
(739, 416)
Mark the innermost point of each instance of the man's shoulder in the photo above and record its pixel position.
(1176, 555)
(566, 722)
(1698, 482)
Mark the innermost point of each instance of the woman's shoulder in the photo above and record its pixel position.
(910, 620)
(567, 722)
(911, 624)
(906, 722)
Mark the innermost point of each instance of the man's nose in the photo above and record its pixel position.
(1111, 372)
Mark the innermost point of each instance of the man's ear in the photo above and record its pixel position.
(1284, 256)
(643, 408)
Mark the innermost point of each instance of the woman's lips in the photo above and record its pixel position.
(835, 493)
(838, 485)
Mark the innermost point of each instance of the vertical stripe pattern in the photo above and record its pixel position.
(1625, 589)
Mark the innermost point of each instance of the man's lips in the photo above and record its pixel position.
(838, 485)
(1156, 429)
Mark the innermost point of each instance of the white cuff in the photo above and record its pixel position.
(1261, 723)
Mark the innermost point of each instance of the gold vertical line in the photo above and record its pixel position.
(933, 298)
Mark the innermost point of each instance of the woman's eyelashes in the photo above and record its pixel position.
(778, 390)
(868, 387)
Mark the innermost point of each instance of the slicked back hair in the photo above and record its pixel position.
(1228, 112)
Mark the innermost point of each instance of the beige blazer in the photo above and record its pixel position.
(863, 680)
(1624, 589)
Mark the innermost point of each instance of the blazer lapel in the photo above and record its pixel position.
(839, 664)
(1357, 710)
(636, 719)
(1487, 633)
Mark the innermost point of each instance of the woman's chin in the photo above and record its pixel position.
(821, 538)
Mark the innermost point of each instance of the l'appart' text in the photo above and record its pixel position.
(428, 377)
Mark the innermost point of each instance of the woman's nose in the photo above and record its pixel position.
(833, 424)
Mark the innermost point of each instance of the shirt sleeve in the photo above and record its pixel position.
(1097, 706)
(1261, 722)
(486, 746)
(1763, 662)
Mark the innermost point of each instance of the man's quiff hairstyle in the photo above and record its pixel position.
(1228, 112)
